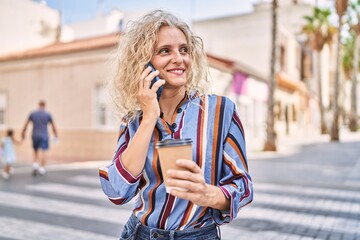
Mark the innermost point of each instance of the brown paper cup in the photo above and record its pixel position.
(169, 151)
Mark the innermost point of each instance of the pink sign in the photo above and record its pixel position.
(239, 83)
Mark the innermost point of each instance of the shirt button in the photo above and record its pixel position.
(179, 110)
(155, 235)
(174, 125)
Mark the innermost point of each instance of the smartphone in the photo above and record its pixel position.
(158, 93)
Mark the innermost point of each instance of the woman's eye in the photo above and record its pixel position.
(163, 51)
(184, 50)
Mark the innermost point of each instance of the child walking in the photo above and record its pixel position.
(8, 153)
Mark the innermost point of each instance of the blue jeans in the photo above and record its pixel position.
(134, 230)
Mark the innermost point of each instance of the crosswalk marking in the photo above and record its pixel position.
(69, 190)
(329, 223)
(229, 232)
(307, 191)
(64, 208)
(85, 179)
(316, 204)
(67, 166)
(284, 210)
(13, 228)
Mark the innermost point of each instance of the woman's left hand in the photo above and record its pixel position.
(192, 180)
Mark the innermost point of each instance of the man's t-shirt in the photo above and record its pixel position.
(40, 120)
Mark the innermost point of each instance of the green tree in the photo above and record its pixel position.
(347, 59)
(270, 142)
(354, 23)
(340, 6)
(320, 32)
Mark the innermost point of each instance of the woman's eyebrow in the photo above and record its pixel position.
(170, 46)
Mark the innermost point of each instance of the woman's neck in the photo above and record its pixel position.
(169, 101)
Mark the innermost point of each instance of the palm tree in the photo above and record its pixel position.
(341, 6)
(349, 60)
(270, 142)
(348, 56)
(355, 29)
(320, 32)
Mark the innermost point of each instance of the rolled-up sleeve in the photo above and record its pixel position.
(116, 181)
(235, 181)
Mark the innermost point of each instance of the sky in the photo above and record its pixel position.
(78, 10)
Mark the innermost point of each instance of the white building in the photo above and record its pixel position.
(246, 38)
(100, 25)
(25, 24)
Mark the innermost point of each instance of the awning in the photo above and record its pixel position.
(283, 80)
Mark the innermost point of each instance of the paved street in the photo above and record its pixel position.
(310, 189)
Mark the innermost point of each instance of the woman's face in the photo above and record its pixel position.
(172, 57)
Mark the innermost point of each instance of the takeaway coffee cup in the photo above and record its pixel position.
(169, 151)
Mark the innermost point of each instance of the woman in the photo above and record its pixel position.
(217, 181)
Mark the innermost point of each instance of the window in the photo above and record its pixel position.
(277, 110)
(298, 58)
(306, 64)
(3, 103)
(282, 58)
(294, 113)
(102, 112)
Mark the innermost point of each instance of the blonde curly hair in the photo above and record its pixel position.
(135, 49)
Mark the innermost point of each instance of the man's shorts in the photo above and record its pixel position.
(42, 143)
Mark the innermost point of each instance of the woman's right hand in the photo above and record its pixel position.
(134, 156)
(147, 97)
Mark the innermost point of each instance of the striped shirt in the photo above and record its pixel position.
(218, 140)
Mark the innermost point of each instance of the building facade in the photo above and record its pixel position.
(70, 78)
(246, 38)
(26, 24)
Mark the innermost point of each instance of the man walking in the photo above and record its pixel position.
(40, 138)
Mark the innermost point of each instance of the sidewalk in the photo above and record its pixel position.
(311, 160)
(287, 145)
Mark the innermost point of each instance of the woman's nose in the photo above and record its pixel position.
(177, 58)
